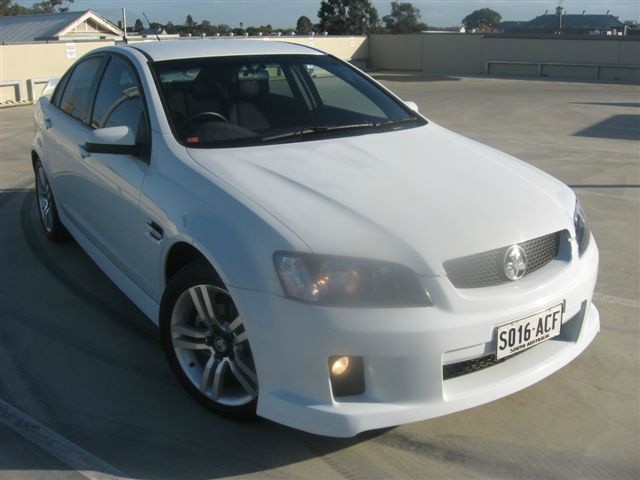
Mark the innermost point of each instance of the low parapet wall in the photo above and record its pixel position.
(577, 57)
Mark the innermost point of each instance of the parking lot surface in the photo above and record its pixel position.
(85, 391)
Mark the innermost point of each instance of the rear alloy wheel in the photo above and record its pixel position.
(206, 342)
(53, 228)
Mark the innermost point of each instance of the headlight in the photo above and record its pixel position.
(348, 282)
(583, 234)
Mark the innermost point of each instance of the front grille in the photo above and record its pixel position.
(487, 268)
(454, 370)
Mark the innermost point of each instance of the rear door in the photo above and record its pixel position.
(108, 186)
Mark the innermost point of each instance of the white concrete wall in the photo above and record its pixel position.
(468, 54)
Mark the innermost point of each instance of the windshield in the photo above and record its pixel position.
(219, 102)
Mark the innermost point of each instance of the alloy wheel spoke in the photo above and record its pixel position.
(237, 322)
(242, 380)
(237, 359)
(207, 372)
(217, 379)
(202, 301)
(241, 337)
(189, 331)
(188, 344)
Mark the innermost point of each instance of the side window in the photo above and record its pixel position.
(57, 94)
(75, 99)
(278, 84)
(118, 101)
(335, 92)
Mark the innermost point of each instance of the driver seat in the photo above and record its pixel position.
(251, 90)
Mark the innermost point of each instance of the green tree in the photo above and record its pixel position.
(138, 26)
(189, 22)
(404, 18)
(484, 20)
(348, 17)
(50, 6)
(304, 26)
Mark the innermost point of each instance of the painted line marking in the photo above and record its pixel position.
(616, 300)
(56, 445)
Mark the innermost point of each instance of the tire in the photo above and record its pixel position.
(48, 212)
(206, 342)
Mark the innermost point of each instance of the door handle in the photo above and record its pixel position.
(47, 123)
(83, 152)
(155, 231)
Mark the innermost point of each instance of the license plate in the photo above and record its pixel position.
(527, 332)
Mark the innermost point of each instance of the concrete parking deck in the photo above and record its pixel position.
(79, 361)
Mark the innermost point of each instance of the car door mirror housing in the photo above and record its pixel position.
(117, 140)
(412, 105)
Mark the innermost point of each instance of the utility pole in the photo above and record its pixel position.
(124, 23)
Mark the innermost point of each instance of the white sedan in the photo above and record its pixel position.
(313, 250)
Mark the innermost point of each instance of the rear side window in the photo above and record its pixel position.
(57, 94)
(118, 101)
(75, 99)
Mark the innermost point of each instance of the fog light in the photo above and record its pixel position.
(346, 374)
(340, 365)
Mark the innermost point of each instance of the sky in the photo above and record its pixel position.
(284, 13)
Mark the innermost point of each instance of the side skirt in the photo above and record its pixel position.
(143, 301)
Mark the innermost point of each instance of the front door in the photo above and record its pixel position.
(108, 186)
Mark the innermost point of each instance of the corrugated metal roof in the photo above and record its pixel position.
(42, 26)
(569, 21)
(29, 28)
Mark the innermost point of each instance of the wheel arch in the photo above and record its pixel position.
(34, 158)
(181, 254)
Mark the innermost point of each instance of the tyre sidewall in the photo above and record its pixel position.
(196, 273)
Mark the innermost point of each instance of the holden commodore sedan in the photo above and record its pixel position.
(313, 250)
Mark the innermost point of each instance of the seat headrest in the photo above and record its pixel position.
(208, 85)
(253, 84)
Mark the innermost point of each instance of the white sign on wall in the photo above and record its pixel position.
(71, 51)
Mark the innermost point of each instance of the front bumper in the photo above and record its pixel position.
(404, 350)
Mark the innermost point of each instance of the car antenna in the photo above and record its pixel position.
(147, 19)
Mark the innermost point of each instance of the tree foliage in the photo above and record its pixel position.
(404, 18)
(348, 17)
(138, 26)
(48, 6)
(484, 20)
(304, 26)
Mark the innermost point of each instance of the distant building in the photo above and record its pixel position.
(562, 22)
(68, 26)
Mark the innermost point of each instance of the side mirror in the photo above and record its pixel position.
(412, 105)
(118, 140)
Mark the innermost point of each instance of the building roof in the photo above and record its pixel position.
(218, 47)
(569, 21)
(53, 26)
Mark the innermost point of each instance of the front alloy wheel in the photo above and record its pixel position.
(207, 343)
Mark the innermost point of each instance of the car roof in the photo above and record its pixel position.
(218, 47)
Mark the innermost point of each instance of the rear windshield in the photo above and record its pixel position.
(219, 102)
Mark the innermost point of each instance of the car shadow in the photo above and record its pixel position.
(618, 127)
(82, 360)
(412, 77)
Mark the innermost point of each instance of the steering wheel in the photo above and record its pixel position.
(201, 117)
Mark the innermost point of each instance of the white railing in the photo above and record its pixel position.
(540, 65)
(16, 84)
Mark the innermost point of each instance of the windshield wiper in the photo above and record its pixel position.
(313, 130)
